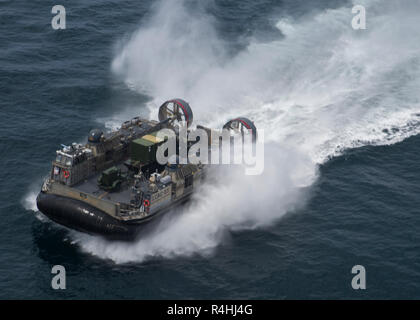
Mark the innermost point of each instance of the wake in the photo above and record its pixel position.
(319, 90)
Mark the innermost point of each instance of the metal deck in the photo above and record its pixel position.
(90, 186)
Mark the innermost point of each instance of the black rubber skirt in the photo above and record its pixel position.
(83, 217)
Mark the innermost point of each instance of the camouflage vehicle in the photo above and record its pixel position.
(113, 185)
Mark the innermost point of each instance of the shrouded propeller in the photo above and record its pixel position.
(178, 111)
(243, 126)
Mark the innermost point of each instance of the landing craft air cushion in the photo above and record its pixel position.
(114, 185)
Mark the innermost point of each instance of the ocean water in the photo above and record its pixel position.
(340, 110)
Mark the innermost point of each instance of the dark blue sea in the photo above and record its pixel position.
(340, 110)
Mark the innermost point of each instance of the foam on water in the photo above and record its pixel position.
(29, 202)
(319, 90)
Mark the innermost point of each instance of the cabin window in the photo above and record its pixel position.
(68, 161)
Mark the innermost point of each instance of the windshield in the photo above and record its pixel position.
(68, 161)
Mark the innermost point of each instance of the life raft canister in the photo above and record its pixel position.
(146, 203)
(66, 174)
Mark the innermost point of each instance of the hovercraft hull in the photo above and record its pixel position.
(83, 217)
